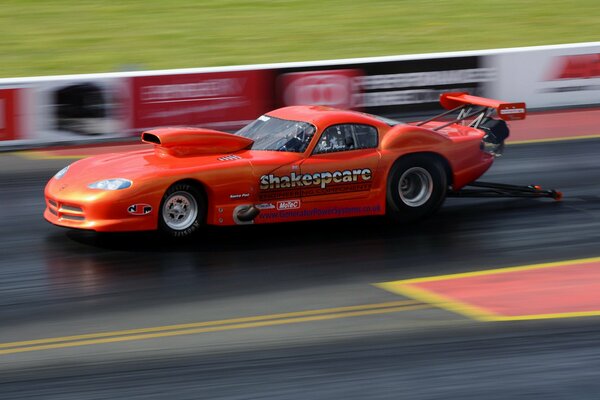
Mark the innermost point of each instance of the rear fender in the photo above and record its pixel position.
(462, 156)
(412, 139)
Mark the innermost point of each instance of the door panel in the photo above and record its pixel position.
(339, 175)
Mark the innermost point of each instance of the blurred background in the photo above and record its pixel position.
(221, 64)
(300, 310)
(74, 37)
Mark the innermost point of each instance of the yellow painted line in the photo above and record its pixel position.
(405, 288)
(210, 323)
(210, 326)
(575, 314)
(44, 155)
(550, 140)
(501, 270)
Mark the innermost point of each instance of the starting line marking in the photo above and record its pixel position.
(563, 289)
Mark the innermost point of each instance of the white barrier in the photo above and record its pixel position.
(549, 76)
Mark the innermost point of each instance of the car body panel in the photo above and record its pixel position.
(285, 186)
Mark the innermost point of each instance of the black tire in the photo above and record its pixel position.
(416, 188)
(182, 210)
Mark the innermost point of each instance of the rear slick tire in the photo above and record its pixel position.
(182, 211)
(416, 188)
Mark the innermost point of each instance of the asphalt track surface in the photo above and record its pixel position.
(302, 318)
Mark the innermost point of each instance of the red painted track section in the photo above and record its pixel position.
(562, 289)
(556, 125)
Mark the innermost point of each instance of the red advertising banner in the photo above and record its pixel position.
(9, 114)
(334, 88)
(580, 66)
(221, 100)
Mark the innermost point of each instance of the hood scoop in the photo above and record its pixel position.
(184, 142)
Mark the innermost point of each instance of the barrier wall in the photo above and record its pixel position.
(99, 107)
(552, 76)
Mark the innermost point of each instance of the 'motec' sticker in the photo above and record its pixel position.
(288, 205)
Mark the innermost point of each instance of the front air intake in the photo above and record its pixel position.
(184, 142)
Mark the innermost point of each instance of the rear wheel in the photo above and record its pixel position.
(182, 210)
(416, 187)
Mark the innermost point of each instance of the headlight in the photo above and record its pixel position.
(111, 184)
(62, 172)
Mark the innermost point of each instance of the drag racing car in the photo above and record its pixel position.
(291, 164)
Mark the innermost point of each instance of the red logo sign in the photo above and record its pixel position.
(226, 100)
(9, 111)
(334, 88)
(582, 66)
(288, 205)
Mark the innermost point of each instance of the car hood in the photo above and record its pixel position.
(150, 163)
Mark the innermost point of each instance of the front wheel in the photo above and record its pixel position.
(416, 187)
(182, 210)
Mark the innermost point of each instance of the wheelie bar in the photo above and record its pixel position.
(488, 189)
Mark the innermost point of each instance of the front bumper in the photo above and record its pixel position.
(101, 211)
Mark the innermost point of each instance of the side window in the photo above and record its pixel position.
(366, 136)
(347, 137)
(335, 138)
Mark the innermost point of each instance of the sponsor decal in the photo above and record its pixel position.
(509, 111)
(320, 179)
(229, 158)
(512, 111)
(288, 204)
(239, 196)
(265, 206)
(334, 88)
(314, 184)
(139, 209)
(320, 212)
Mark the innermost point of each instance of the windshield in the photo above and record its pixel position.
(276, 134)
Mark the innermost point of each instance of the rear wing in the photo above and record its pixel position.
(477, 108)
(506, 111)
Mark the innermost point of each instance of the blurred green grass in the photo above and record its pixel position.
(81, 36)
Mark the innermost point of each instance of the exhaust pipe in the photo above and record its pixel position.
(247, 213)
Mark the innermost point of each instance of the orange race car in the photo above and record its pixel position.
(294, 163)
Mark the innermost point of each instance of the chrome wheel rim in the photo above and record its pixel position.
(180, 210)
(415, 186)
